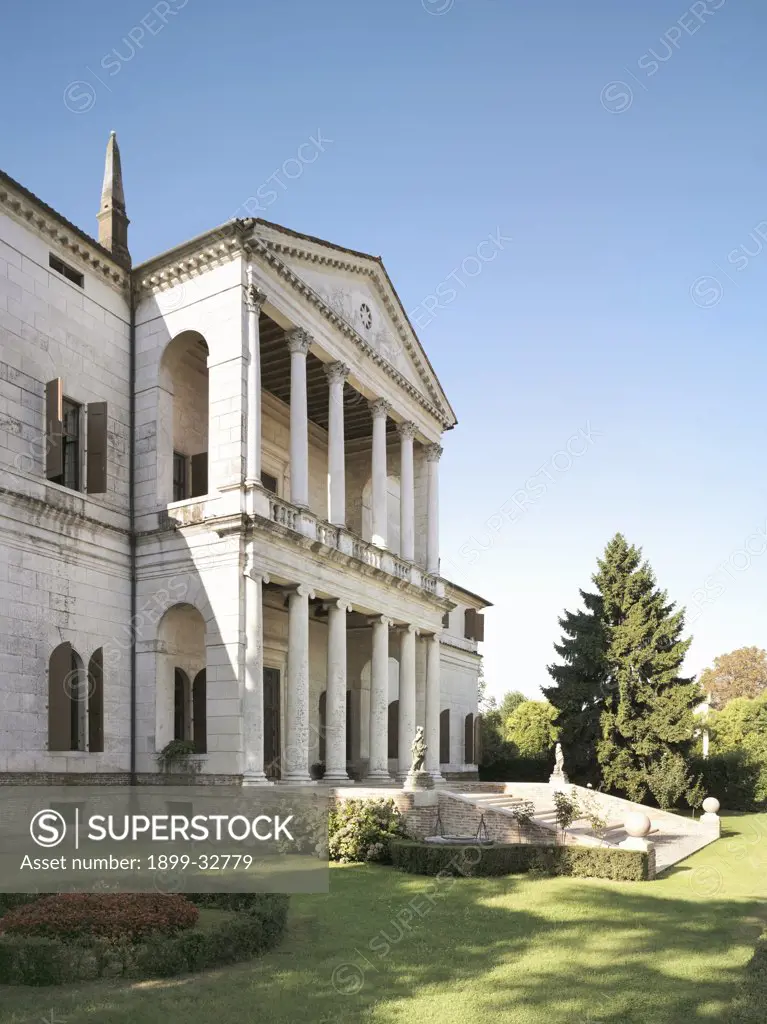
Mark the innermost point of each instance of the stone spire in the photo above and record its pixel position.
(113, 222)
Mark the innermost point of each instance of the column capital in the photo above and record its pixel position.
(336, 371)
(383, 619)
(252, 572)
(433, 452)
(300, 590)
(379, 408)
(407, 429)
(338, 602)
(299, 340)
(407, 628)
(254, 298)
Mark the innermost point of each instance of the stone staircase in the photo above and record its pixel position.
(674, 836)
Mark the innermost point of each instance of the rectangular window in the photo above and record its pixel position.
(69, 444)
(66, 271)
(179, 476)
(269, 482)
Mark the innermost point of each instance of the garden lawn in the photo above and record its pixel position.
(517, 949)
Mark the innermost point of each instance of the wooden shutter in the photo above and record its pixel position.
(444, 737)
(468, 740)
(323, 713)
(199, 475)
(200, 713)
(96, 702)
(478, 740)
(474, 625)
(393, 741)
(54, 431)
(59, 709)
(96, 462)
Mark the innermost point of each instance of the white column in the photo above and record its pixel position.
(253, 697)
(336, 374)
(432, 707)
(296, 756)
(335, 699)
(433, 453)
(406, 722)
(379, 409)
(254, 299)
(298, 344)
(407, 492)
(378, 766)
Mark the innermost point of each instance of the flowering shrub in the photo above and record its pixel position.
(360, 830)
(128, 916)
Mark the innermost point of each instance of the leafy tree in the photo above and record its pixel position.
(741, 727)
(531, 728)
(668, 779)
(649, 709)
(579, 686)
(510, 702)
(741, 673)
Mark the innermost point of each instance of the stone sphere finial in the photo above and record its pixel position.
(711, 805)
(637, 824)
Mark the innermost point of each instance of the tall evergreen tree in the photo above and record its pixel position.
(621, 702)
(649, 710)
(579, 687)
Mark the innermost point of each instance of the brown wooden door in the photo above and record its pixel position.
(272, 723)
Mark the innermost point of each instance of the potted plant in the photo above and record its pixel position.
(179, 757)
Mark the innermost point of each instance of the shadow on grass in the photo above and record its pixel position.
(386, 947)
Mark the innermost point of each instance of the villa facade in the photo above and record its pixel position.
(220, 510)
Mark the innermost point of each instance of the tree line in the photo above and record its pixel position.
(629, 721)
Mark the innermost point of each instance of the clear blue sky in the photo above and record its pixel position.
(449, 121)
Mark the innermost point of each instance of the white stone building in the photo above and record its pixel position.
(219, 509)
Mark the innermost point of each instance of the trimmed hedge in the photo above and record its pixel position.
(515, 768)
(750, 1003)
(257, 925)
(509, 859)
(124, 915)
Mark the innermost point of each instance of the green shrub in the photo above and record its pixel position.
(257, 924)
(750, 1003)
(31, 960)
(360, 830)
(508, 859)
(732, 778)
(508, 766)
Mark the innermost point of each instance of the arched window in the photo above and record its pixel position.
(183, 415)
(468, 739)
(67, 700)
(181, 730)
(444, 737)
(394, 729)
(200, 712)
(96, 701)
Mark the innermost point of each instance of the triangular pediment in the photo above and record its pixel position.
(357, 289)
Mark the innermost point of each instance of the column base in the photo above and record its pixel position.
(376, 778)
(298, 780)
(256, 779)
(336, 778)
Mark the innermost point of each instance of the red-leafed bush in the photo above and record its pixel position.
(127, 916)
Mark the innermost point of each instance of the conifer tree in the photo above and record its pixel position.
(579, 687)
(649, 710)
(622, 704)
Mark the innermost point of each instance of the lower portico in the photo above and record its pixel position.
(323, 673)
